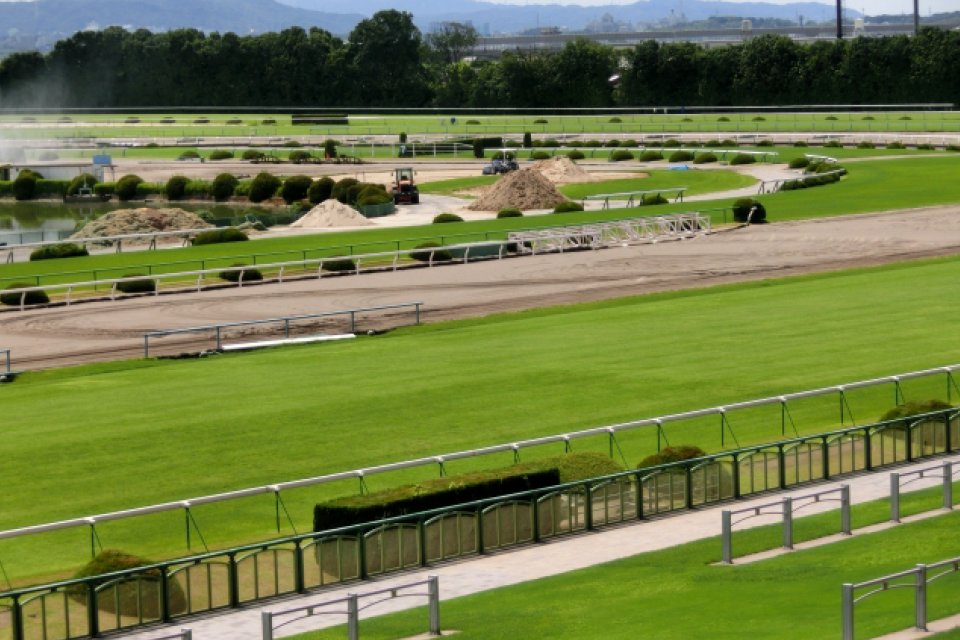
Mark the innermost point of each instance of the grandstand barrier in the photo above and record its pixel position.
(352, 604)
(900, 480)
(917, 579)
(786, 508)
(630, 195)
(217, 329)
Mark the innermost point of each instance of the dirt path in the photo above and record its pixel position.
(103, 331)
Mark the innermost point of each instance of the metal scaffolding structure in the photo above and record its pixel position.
(608, 234)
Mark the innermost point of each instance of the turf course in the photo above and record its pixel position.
(677, 593)
(235, 421)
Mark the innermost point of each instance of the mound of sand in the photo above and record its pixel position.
(331, 213)
(131, 221)
(562, 170)
(524, 189)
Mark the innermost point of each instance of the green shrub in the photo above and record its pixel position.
(575, 155)
(127, 187)
(651, 156)
(25, 186)
(867, 118)
(800, 143)
(292, 144)
(264, 186)
(686, 119)
(457, 489)
(905, 118)
(651, 199)
(672, 454)
(611, 144)
(866, 144)
(145, 189)
(223, 186)
(84, 179)
(615, 120)
(189, 154)
(354, 191)
(373, 195)
(742, 208)
(143, 285)
(540, 121)
(251, 154)
(730, 142)
(743, 158)
(593, 143)
(339, 191)
(249, 275)
(527, 140)
(926, 147)
(692, 143)
(132, 120)
(341, 264)
(540, 155)
(268, 121)
(509, 213)
(176, 187)
(704, 158)
(759, 119)
(681, 156)
(136, 597)
(300, 156)
(713, 144)
(221, 154)
(105, 189)
(477, 148)
(513, 144)
(833, 144)
(896, 145)
(550, 143)
(151, 145)
(32, 297)
(447, 217)
(723, 119)
(330, 148)
(424, 256)
(295, 188)
(567, 207)
(799, 163)
(53, 251)
(830, 118)
(915, 408)
(765, 143)
(628, 143)
(234, 121)
(202, 121)
(952, 147)
(621, 155)
(220, 236)
(671, 142)
(320, 190)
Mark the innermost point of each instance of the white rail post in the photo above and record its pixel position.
(266, 620)
(726, 546)
(848, 612)
(894, 497)
(353, 617)
(845, 510)
(433, 589)
(788, 523)
(921, 605)
(948, 485)
(186, 634)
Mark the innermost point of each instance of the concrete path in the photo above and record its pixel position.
(479, 574)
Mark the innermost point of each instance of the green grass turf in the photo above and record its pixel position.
(121, 435)
(678, 593)
(873, 185)
(454, 185)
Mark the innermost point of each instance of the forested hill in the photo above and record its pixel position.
(238, 16)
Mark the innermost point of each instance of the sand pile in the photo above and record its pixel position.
(331, 213)
(562, 170)
(131, 221)
(524, 189)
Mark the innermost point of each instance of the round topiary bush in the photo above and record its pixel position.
(867, 118)
(866, 144)
(176, 187)
(692, 143)
(268, 121)
(320, 190)
(915, 408)
(31, 297)
(472, 122)
(223, 186)
(132, 120)
(295, 188)
(132, 598)
(681, 156)
(615, 120)
(292, 144)
(593, 143)
(567, 207)
(300, 156)
(765, 143)
(220, 236)
(54, 251)
(575, 155)
(189, 154)
(705, 158)
(833, 144)
(238, 275)
(743, 158)
(713, 144)
(621, 155)
(906, 118)
(340, 189)
(221, 154)
(202, 121)
(671, 142)
(167, 120)
(372, 196)
(509, 213)
(832, 118)
(340, 264)
(653, 198)
(723, 119)
(142, 285)
(799, 163)
(550, 143)
(81, 181)
(672, 454)
(896, 145)
(424, 256)
(234, 121)
(447, 217)
(759, 119)
(800, 143)
(127, 187)
(611, 144)
(730, 142)
(540, 155)
(25, 186)
(743, 207)
(251, 154)
(651, 156)
(264, 186)
(926, 147)
(952, 147)
(628, 143)
(540, 121)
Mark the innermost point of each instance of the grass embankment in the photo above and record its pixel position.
(114, 436)
(680, 592)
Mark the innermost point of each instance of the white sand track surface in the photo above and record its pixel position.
(101, 331)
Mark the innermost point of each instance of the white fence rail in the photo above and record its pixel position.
(152, 237)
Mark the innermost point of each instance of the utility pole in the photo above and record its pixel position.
(916, 17)
(840, 19)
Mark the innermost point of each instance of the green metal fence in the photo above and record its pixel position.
(87, 607)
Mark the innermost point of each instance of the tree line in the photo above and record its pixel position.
(387, 62)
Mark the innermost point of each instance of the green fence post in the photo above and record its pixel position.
(361, 555)
(164, 595)
(825, 453)
(588, 516)
(233, 582)
(422, 541)
(867, 455)
(909, 441)
(781, 459)
(93, 619)
(16, 619)
(480, 530)
(639, 496)
(299, 581)
(736, 476)
(535, 517)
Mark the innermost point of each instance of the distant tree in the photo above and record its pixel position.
(451, 41)
(386, 63)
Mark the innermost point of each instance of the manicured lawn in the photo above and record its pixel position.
(115, 436)
(679, 592)
(455, 185)
(698, 182)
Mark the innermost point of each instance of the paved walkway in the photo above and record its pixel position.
(531, 562)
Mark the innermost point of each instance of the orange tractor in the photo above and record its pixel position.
(404, 190)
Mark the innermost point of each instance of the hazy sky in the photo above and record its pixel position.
(870, 7)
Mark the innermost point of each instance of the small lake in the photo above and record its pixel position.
(26, 222)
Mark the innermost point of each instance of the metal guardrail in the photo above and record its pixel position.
(787, 507)
(216, 328)
(9, 374)
(916, 579)
(185, 634)
(186, 233)
(826, 159)
(900, 480)
(779, 183)
(631, 194)
(353, 608)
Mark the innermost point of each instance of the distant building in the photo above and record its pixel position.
(607, 24)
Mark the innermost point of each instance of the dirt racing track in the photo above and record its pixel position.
(101, 331)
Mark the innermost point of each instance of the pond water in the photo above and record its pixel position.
(25, 222)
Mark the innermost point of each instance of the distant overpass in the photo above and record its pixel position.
(708, 38)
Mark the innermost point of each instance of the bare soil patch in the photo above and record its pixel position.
(133, 221)
(331, 213)
(524, 189)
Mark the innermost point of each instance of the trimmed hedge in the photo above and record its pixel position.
(671, 142)
(866, 144)
(343, 264)
(915, 408)
(713, 144)
(681, 156)
(800, 143)
(127, 187)
(653, 198)
(672, 454)
(135, 598)
(611, 144)
(295, 188)
(567, 207)
(264, 186)
(627, 144)
(730, 142)
(320, 190)
(300, 156)
(176, 187)
(447, 217)
(651, 156)
(144, 285)
(765, 143)
(742, 207)
(32, 297)
(575, 155)
(249, 275)
(223, 186)
(540, 155)
(251, 154)
(457, 489)
(704, 158)
(424, 256)
(78, 183)
(926, 147)
(54, 251)
(799, 163)
(25, 186)
(189, 154)
(221, 154)
(743, 158)
(896, 145)
(509, 213)
(833, 144)
(340, 188)
(220, 236)
(621, 155)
